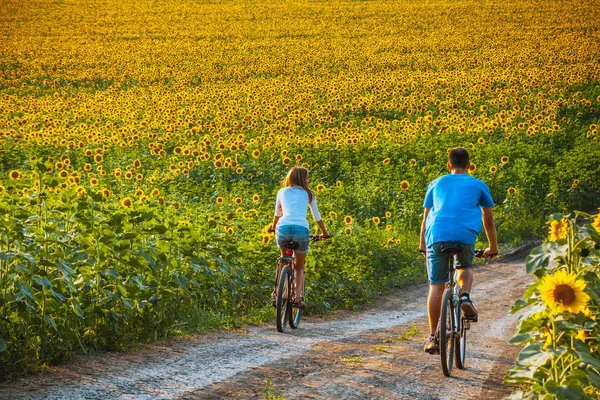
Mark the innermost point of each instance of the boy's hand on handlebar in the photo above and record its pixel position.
(323, 237)
(489, 253)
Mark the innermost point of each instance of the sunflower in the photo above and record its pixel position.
(493, 169)
(320, 186)
(472, 167)
(348, 219)
(239, 170)
(504, 160)
(256, 153)
(98, 158)
(481, 140)
(117, 172)
(155, 192)
(558, 229)
(511, 191)
(238, 200)
(137, 163)
(386, 161)
(14, 174)
(413, 162)
(63, 174)
(564, 292)
(388, 227)
(255, 198)
(388, 214)
(128, 175)
(94, 182)
(404, 185)
(376, 220)
(596, 222)
(126, 202)
(220, 200)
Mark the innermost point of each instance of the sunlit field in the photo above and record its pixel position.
(142, 145)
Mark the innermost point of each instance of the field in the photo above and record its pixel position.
(142, 145)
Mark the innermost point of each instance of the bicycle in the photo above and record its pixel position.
(287, 311)
(453, 325)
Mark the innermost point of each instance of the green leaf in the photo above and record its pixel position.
(51, 322)
(538, 258)
(45, 283)
(24, 290)
(518, 339)
(2, 345)
(572, 392)
(122, 289)
(5, 256)
(583, 351)
(77, 309)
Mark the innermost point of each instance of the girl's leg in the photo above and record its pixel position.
(299, 275)
(277, 272)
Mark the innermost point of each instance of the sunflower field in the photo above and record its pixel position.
(142, 144)
(559, 323)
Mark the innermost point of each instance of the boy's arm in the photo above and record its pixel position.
(422, 246)
(490, 232)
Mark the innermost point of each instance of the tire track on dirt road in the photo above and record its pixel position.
(351, 356)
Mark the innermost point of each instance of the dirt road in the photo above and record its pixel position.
(375, 354)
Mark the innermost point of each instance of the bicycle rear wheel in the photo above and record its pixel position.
(283, 296)
(295, 312)
(446, 332)
(460, 343)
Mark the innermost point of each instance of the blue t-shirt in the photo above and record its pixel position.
(455, 201)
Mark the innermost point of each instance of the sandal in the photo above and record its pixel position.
(299, 303)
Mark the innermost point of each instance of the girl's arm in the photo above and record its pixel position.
(323, 229)
(274, 224)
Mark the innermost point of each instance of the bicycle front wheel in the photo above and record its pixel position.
(283, 295)
(447, 329)
(460, 343)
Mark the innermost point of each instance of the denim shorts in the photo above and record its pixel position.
(437, 262)
(295, 233)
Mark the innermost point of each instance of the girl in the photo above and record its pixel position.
(290, 221)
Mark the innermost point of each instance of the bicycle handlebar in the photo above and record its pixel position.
(479, 254)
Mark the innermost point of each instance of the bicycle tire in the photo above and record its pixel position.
(446, 333)
(295, 312)
(460, 343)
(283, 295)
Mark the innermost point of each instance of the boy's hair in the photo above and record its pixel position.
(458, 157)
(298, 176)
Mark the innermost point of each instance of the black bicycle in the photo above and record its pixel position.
(287, 310)
(453, 325)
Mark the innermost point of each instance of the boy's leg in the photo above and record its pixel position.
(434, 305)
(464, 278)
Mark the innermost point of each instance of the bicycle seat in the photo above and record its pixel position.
(290, 244)
(451, 248)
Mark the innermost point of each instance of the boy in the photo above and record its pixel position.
(455, 206)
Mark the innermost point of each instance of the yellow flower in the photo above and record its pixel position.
(238, 200)
(511, 191)
(472, 167)
(558, 229)
(98, 158)
(582, 335)
(388, 227)
(348, 219)
(256, 153)
(404, 185)
(564, 292)
(413, 162)
(155, 192)
(14, 174)
(493, 169)
(126, 202)
(481, 140)
(596, 222)
(320, 186)
(137, 163)
(376, 220)
(504, 160)
(388, 214)
(220, 200)
(94, 182)
(255, 198)
(386, 161)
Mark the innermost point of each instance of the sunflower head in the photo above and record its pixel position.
(558, 229)
(564, 292)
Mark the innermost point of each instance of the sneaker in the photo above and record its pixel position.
(468, 307)
(431, 345)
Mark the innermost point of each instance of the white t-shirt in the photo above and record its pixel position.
(291, 205)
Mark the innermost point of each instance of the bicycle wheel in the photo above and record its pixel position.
(446, 333)
(283, 295)
(460, 339)
(295, 313)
